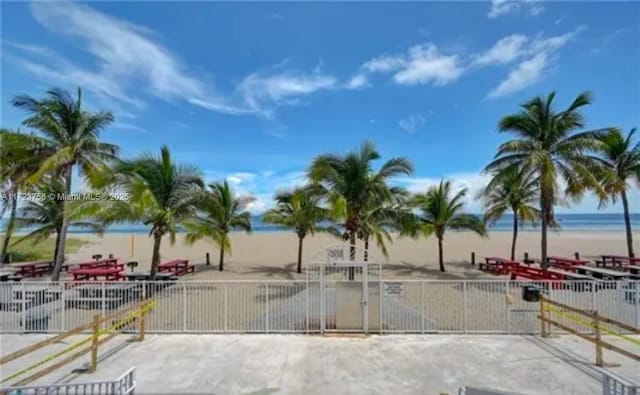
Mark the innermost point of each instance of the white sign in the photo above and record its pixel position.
(394, 289)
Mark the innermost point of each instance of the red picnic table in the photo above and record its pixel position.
(106, 273)
(177, 267)
(617, 260)
(33, 269)
(498, 265)
(566, 263)
(107, 262)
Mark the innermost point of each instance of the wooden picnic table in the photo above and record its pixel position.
(565, 262)
(602, 274)
(106, 273)
(498, 265)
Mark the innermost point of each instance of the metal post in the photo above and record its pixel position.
(365, 300)
(636, 284)
(226, 308)
(543, 331)
(142, 323)
(104, 302)
(184, 306)
(322, 301)
(576, 255)
(208, 260)
(380, 302)
(306, 323)
(593, 297)
(473, 257)
(422, 313)
(508, 305)
(24, 307)
(464, 305)
(63, 295)
(267, 307)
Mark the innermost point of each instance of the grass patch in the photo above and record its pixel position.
(27, 250)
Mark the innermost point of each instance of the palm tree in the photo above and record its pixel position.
(162, 194)
(73, 135)
(547, 142)
(301, 210)
(378, 219)
(439, 211)
(46, 215)
(20, 156)
(222, 212)
(513, 190)
(351, 184)
(620, 164)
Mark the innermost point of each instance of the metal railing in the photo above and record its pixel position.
(402, 306)
(123, 385)
(615, 385)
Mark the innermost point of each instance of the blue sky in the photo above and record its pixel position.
(252, 91)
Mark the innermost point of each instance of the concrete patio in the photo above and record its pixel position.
(292, 364)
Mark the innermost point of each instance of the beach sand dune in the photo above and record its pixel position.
(273, 255)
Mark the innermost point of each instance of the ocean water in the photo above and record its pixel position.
(582, 222)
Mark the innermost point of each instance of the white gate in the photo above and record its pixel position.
(345, 286)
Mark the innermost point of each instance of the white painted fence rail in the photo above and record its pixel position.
(404, 306)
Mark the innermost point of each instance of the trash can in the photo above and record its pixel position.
(530, 293)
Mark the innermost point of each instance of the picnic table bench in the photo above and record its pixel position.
(142, 276)
(107, 262)
(106, 273)
(603, 274)
(566, 263)
(498, 265)
(620, 261)
(33, 269)
(178, 267)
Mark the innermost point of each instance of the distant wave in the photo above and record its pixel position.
(583, 222)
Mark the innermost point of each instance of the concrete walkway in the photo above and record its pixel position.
(295, 364)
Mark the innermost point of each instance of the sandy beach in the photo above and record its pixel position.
(272, 255)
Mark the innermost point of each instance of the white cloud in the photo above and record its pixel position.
(358, 81)
(262, 92)
(128, 126)
(129, 62)
(532, 69)
(527, 73)
(261, 185)
(384, 64)
(425, 64)
(414, 122)
(505, 7)
(503, 51)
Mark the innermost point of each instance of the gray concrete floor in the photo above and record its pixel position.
(297, 364)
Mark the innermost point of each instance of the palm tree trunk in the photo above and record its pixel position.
(59, 258)
(155, 258)
(440, 254)
(366, 249)
(10, 226)
(546, 216)
(221, 265)
(515, 235)
(627, 224)
(55, 251)
(300, 238)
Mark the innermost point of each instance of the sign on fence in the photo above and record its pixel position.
(394, 289)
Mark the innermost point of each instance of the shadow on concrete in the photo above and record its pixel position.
(288, 272)
(415, 270)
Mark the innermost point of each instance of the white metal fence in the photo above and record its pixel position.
(123, 385)
(401, 306)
